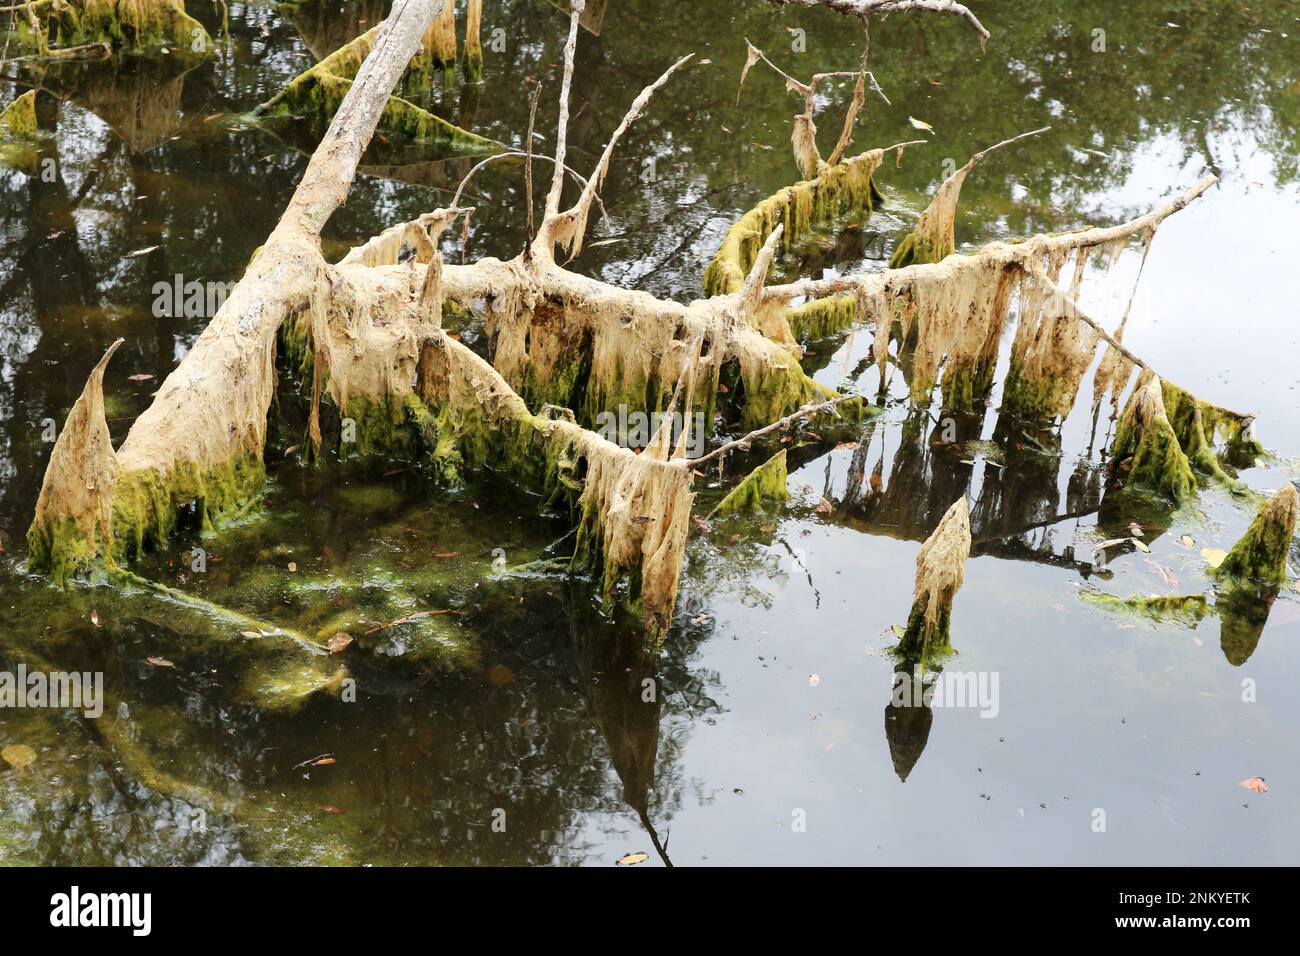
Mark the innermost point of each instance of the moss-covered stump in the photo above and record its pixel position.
(18, 132)
(1260, 556)
(1146, 453)
(130, 26)
(73, 522)
(940, 571)
(315, 95)
(762, 488)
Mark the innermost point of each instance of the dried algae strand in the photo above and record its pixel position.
(933, 238)
(940, 571)
(1261, 554)
(762, 487)
(631, 512)
(440, 40)
(474, 40)
(73, 522)
(1146, 453)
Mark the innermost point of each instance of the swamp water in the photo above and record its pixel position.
(512, 726)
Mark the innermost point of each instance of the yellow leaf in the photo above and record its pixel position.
(18, 756)
(632, 859)
(1214, 556)
(920, 124)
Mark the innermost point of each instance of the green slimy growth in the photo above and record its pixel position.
(916, 249)
(18, 132)
(1261, 554)
(1184, 609)
(134, 26)
(763, 486)
(924, 642)
(844, 189)
(316, 94)
(1146, 452)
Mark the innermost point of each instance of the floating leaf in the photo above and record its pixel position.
(920, 124)
(1214, 556)
(94, 618)
(329, 808)
(293, 567)
(814, 680)
(1141, 546)
(18, 756)
(340, 642)
(159, 662)
(632, 859)
(1255, 784)
(824, 507)
(499, 675)
(324, 762)
(139, 377)
(1110, 543)
(446, 554)
(140, 252)
(1187, 541)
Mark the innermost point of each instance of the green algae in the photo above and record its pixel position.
(846, 188)
(763, 487)
(1186, 610)
(1261, 554)
(316, 94)
(133, 26)
(1146, 451)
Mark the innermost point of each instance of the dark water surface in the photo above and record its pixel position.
(769, 738)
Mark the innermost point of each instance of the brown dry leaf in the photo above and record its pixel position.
(702, 524)
(1255, 784)
(324, 762)
(920, 124)
(139, 377)
(18, 756)
(499, 675)
(632, 859)
(446, 554)
(329, 808)
(94, 618)
(159, 662)
(824, 507)
(340, 642)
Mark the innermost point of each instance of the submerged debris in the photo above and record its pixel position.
(940, 571)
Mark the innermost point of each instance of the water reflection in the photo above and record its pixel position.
(552, 724)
